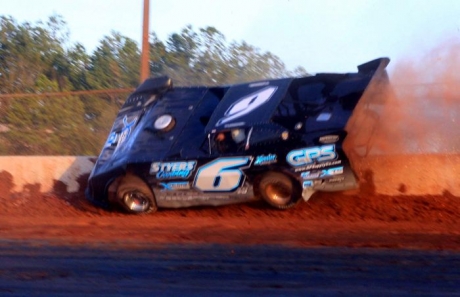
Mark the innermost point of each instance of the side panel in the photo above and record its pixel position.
(208, 182)
(323, 167)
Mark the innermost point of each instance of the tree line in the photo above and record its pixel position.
(39, 58)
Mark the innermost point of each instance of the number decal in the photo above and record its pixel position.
(221, 175)
(247, 104)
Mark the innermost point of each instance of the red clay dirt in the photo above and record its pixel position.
(359, 219)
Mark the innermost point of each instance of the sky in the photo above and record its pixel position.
(319, 35)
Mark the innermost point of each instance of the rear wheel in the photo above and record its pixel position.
(135, 196)
(279, 190)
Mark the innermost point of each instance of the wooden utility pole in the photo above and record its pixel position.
(145, 64)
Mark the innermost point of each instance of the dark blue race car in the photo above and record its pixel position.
(279, 140)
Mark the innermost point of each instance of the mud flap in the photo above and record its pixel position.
(307, 193)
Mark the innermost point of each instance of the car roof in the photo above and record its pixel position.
(249, 104)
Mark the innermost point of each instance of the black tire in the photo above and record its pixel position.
(135, 196)
(279, 190)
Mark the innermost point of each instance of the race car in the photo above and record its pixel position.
(279, 140)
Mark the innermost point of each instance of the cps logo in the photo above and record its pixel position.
(311, 155)
(247, 104)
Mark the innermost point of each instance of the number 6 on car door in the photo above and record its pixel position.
(221, 175)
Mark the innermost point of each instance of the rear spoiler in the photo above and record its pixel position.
(374, 65)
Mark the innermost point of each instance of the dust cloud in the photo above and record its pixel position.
(417, 113)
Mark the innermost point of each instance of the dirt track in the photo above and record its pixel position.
(381, 245)
(224, 270)
(360, 219)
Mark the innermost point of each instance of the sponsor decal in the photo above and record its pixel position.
(322, 173)
(307, 184)
(126, 130)
(112, 140)
(171, 170)
(311, 155)
(332, 171)
(318, 166)
(336, 180)
(247, 104)
(167, 195)
(329, 139)
(118, 138)
(172, 186)
(310, 174)
(265, 159)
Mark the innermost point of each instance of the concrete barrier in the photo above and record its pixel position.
(391, 175)
(45, 172)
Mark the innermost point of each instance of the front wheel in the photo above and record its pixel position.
(279, 190)
(135, 196)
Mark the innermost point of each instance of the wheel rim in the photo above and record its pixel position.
(136, 201)
(279, 193)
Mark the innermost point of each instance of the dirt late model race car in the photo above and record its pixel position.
(279, 140)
